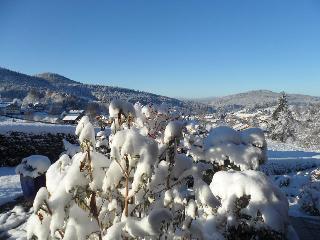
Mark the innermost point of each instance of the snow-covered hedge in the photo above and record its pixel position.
(150, 185)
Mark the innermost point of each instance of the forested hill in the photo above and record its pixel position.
(17, 85)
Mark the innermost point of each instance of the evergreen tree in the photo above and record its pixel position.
(281, 127)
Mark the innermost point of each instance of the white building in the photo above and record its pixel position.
(73, 116)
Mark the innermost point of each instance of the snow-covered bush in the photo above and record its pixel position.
(151, 184)
(68, 206)
(245, 149)
(309, 199)
(121, 114)
(102, 141)
(249, 201)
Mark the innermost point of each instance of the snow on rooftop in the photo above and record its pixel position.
(76, 111)
(70, 118)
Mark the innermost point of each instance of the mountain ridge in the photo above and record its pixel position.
(256, 98)
(16, 85)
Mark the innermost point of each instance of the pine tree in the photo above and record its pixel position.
(281, 127)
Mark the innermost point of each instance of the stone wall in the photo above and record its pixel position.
(15, 146)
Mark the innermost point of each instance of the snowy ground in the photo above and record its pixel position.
(10, 187)
(13, 223)
(289, 167)
(292, 168)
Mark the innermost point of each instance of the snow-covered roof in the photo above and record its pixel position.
(76, 111)
(4, 104)
(71, 117)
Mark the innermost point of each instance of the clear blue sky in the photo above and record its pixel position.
(175, 48)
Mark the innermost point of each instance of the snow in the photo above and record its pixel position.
(246, 149)
(70, 117)
(56, 172)
(13, 223)
(42, 195)
(88, 134)
(35, 128)
(222, 134)
(143, 171)
(203, 195)
(141, 153)
(265, 198)
(150, 225)
(10, 187)
(293, 170)
(173, 131)
(33, 166)
(71, 149)
(119, 106)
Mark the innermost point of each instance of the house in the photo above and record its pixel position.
(3, 107)
(9, 108)
(38, 107)
(73, 116)
(13, 109)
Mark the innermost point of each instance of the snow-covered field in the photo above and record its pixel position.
(285, 162)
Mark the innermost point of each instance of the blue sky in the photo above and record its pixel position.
(175, 48)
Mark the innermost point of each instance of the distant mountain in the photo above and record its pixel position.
(8, 78)
(17, 85)
(56, 78)
(256, 99)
